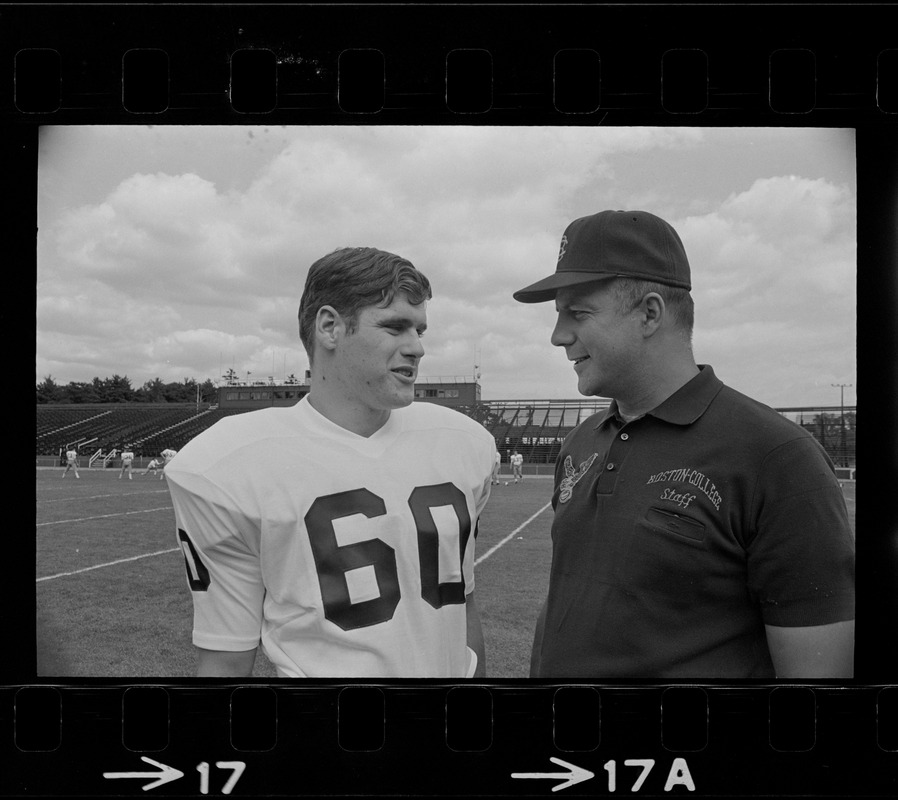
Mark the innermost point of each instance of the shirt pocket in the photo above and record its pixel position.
(692, 531)
(667, 555)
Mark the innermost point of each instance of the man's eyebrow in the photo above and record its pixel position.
(575, 304)
(405, 322)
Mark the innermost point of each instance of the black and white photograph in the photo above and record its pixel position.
(183, 521)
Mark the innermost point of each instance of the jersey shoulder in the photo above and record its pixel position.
(228, 437)
(429, 416)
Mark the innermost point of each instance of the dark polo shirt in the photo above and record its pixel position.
(679, 535)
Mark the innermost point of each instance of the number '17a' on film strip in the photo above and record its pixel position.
(127, 718)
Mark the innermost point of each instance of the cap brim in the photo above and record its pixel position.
(547, 288)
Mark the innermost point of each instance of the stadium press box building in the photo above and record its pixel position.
(444, 391)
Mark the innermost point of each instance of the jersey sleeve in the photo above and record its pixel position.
(801, 557)
(486, 486)
(481, 497)
(222, 562)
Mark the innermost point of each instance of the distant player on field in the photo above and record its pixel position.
(339, 533)
(71, 462)
(127, 462)
(496, 464)
(167, 455)
(154, 466)
(517, 465)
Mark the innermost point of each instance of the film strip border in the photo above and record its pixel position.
(553, 65)
(451, 740)
(559, 64)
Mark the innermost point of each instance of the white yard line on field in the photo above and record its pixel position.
(104, 516)
(482, 558)
(42, 500)
(108, 564)
(495, 547)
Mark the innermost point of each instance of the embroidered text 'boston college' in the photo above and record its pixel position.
(691, 476)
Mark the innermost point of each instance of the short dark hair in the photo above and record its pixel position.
(629, 293)
(352, 278)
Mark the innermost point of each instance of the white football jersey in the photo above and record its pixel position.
(168, 455)
(127, 457)
(71, 455)
(346, 556)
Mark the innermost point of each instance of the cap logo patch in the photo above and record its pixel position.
(563, 249)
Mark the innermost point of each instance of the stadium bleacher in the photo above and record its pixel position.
(146, 428)
(536, 428)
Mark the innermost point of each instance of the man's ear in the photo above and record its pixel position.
(653, 312)
(329, 327)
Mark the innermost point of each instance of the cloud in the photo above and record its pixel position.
(774, 272)
(196, 353)
(162, 233)
(189, 248)
(782, 235)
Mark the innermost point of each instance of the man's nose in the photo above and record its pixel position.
(561, 335)
(414, 346)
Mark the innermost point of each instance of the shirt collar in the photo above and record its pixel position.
(684, 406)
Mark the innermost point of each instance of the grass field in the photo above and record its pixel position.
(112, 599)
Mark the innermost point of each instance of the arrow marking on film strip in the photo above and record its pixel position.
(573, 775)
(166, 775)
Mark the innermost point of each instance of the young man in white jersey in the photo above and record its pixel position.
(154, 466)
(339, 533)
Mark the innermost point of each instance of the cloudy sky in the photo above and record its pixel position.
(181, 252)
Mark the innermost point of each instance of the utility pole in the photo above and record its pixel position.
(842, 387)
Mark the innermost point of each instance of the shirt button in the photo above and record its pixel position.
(625, 436)
(610, 466)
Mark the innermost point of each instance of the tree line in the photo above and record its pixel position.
(118, 389)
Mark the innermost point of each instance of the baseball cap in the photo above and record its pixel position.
(629, 244)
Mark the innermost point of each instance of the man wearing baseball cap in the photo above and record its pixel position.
(697, 532)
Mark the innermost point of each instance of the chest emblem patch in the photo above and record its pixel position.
(572, 476)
